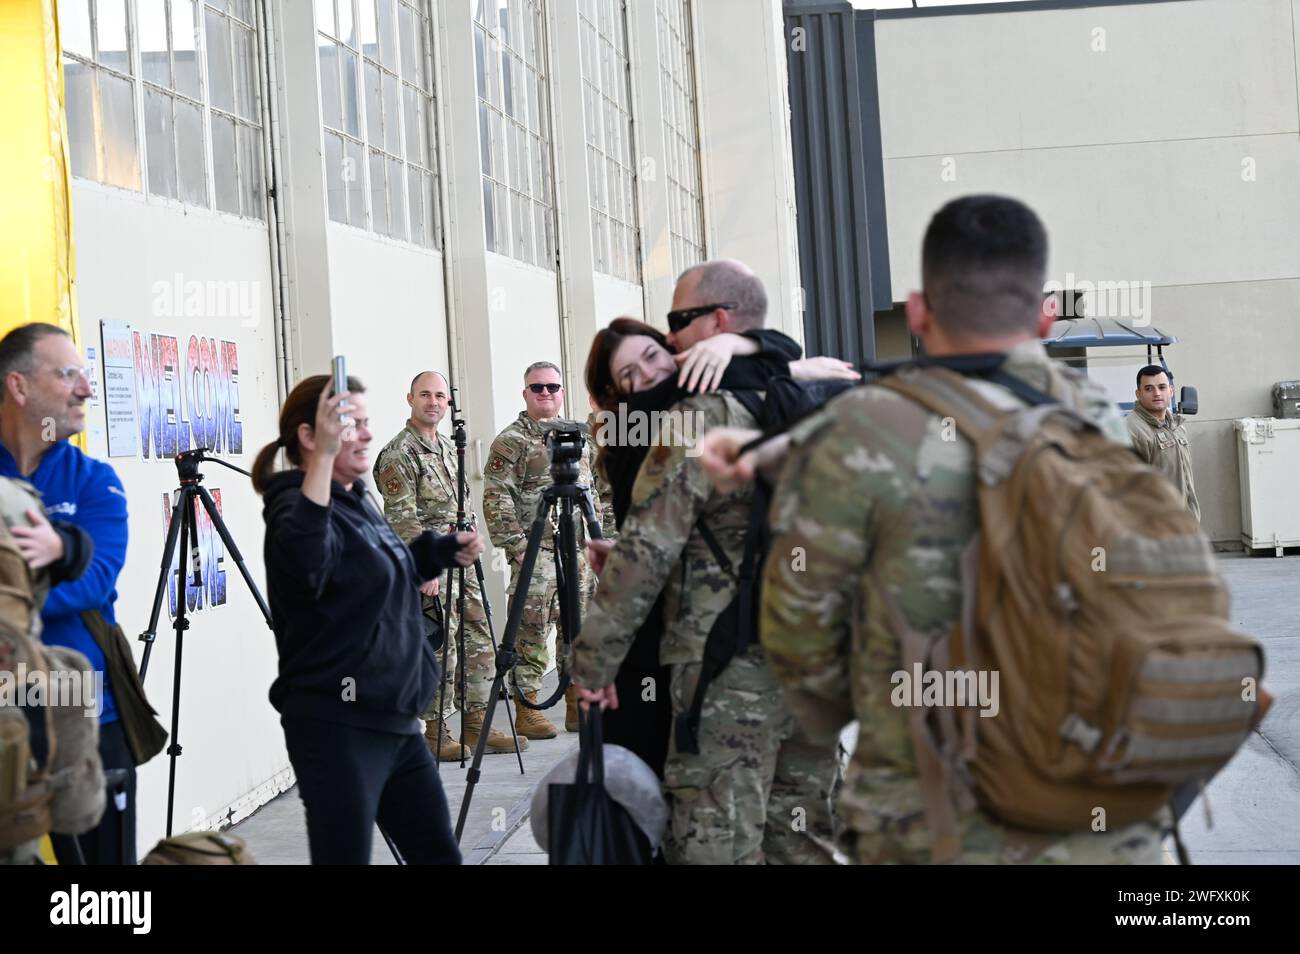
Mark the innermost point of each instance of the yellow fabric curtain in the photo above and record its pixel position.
(37, 265)
(36, 258)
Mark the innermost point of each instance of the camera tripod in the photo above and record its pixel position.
(457, 573)
(184, 530)
(566, 447)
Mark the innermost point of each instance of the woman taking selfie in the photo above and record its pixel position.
(355, 668)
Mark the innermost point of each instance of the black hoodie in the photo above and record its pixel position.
(345, 608)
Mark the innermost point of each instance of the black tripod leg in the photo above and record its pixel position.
(506, 654)
(461, 660)
(188, 530)
(442, 667)
(392, 845)
(570, 599)
(169, 551)
(588, 508)
(487, 612)
(570, 621)
(442, 676)
(211, 507)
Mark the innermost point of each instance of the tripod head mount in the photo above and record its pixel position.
(565, 441)
(187, 465)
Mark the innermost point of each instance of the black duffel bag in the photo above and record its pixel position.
(586, 825)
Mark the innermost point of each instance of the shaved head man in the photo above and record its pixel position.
(416, 474)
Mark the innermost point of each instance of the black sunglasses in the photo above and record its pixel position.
(539, 388)
(677, 320)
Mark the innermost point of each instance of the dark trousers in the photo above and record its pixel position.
(641, 724)
(113, 841)
(350, 778)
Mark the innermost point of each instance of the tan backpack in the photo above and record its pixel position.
(1092, 592)
(200, 848)
(51, 779)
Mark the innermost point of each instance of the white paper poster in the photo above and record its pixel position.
(94, 415)
(119, 388)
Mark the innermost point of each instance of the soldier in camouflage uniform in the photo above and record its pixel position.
(416, 473)
(1159, 435)
(721, 797)
(518, 470)
(876, 492)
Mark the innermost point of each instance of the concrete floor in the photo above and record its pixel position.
(277, 832)
(1253, 804)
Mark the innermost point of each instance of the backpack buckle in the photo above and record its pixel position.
(1066, 600)
(1075, 729)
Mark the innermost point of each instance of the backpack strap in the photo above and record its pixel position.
(946, 393)
(736, 629)
(711, 541)
(1000, 436)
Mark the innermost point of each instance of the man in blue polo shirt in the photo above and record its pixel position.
(43, 391)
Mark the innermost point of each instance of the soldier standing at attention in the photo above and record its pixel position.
(1159, 435)
(518, 470)
(416, 473)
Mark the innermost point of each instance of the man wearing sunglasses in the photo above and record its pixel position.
(518, 470)
(734, 794)
(725, 296)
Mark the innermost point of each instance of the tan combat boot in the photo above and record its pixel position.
(571, 709)
(530, 723)
(498, 743)
(444, 749)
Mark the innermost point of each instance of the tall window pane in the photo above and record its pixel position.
(224, 164)
(155, 62)
(111, 33)
(185, 58)
(336, 195)
(607, 110)
(510, 63)
(383, 111)
(121, 165)
(190, 160)
(79, 97)
(682, 161)
(330, 98)
(160, 140)
(221, 81)
(74, 27)
(235, 107)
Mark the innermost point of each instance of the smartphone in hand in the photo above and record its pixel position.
(341, 381)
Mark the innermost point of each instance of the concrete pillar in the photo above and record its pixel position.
(657, 277)
(578, 318)
(744, 116)
(302, 188)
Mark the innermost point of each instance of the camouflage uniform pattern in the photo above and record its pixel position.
(875, 491)
(1166, 448)
(518, 470)
(417, 479)
(719, 797)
